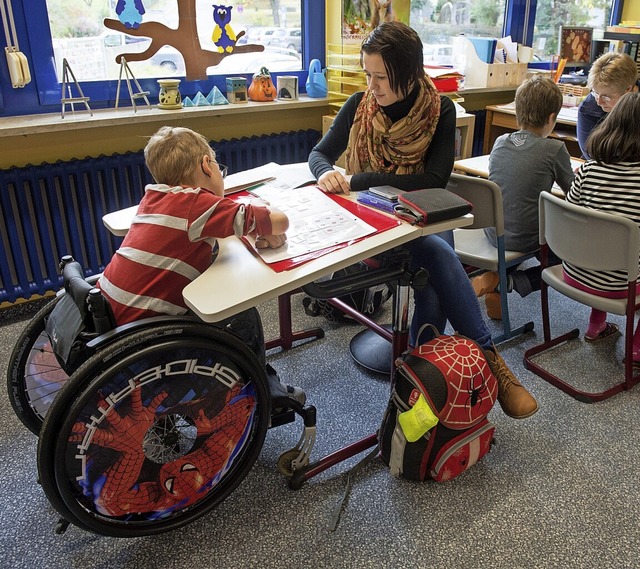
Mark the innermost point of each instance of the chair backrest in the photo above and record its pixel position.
(589, 238)
(486, 198)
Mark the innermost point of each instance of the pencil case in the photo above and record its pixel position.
(421, 207)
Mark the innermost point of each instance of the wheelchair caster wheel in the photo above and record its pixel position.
(285, 462)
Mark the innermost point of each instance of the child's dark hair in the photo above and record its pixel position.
(617, 137)
(401, 50)
(536, 99)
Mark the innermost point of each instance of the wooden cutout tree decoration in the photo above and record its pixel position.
(184, 39)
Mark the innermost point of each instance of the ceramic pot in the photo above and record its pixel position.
(169, 96)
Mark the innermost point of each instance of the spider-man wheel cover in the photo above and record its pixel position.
(456, 379)
(158, 437)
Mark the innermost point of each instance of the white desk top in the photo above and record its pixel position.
(479, 165)
(567, 115)
(239, 280)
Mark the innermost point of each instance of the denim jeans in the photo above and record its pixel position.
(448, 294)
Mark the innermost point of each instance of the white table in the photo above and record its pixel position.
(479, 166)
(239, 279)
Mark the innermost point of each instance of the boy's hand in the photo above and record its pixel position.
(270, 241)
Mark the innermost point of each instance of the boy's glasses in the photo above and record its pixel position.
(221, 167)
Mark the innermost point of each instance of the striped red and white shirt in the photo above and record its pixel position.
(169, 244)
(612, 188)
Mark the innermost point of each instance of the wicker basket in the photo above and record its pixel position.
(574, 90)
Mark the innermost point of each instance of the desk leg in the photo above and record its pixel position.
(399, 342)
(488, 143)
(287, 335)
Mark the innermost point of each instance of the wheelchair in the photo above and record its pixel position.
(142, 428)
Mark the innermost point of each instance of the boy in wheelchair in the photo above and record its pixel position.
(172, 239)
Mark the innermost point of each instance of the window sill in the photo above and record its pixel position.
(82, 119)
(34, 139)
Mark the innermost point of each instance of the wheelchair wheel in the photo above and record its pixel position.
(34, 375)
(154, 430)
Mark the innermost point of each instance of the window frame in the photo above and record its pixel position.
(102, 94)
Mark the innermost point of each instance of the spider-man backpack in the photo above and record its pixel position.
(436, 425)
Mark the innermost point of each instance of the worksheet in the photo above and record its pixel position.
(316, 221)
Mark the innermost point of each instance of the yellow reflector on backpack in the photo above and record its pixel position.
(418, 420)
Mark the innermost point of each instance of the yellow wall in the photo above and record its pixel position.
(631, 10)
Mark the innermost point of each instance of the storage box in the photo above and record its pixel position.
(480, 74)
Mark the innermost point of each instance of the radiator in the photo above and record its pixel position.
(51, 210)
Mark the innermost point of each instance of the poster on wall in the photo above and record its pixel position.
(575, 44)
(359, 17)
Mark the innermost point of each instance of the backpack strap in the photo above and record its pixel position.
(337, 510)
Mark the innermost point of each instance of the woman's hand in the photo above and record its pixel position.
(334, 182)
(270, 241)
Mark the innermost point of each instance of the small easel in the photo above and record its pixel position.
(66, 86)
(128, 74)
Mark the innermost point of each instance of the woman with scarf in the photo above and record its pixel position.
(400, 132)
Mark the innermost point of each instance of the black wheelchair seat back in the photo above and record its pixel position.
(81, 314)
(54, 343)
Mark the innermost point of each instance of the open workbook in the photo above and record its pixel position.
(281, 176)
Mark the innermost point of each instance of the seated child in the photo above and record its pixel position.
(610, 182)
(172, 238)
(523, 164)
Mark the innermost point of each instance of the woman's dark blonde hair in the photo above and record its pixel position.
(173, 154)
(615, 70)
(617, 137)
(536, 99)
(401, 50)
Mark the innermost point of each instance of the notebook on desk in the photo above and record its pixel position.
(285, 177)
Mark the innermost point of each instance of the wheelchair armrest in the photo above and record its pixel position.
(128, 329)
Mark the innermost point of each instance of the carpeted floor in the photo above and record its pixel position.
(558, 490)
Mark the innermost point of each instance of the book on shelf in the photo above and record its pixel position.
(367, 198)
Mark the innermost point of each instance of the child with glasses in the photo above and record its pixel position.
(609, 182)
(611, 76)
(172, 239)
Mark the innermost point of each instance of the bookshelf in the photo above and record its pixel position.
(630, 41)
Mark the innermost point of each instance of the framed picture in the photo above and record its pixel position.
(575, 45)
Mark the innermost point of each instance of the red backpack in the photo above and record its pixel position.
(435, 425)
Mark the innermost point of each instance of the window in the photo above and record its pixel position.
(551, 14)
(439, 23)
(79, 35)
(75, 30)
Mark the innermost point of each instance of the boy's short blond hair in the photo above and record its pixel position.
(173, 154)
(615, 70)
(536, 99)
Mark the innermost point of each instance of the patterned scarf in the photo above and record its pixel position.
(377, 145)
